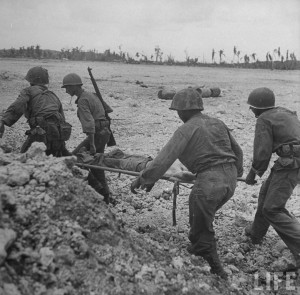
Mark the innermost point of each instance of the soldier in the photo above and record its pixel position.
(277, 131)
(91, 114)
(44, 113)
(206, 147)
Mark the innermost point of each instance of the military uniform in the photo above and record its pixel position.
(277, 131)
(206, 147)
(45, 115)
(91, 114)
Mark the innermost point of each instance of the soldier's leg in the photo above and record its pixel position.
(101, 139)
(84, 143)
(56, 148)
(259, 227)
(212, 189)
(64, 150)
(287, 226)
(25, 146)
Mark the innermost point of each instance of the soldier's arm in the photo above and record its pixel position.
(88, 123)
(238, 153)
(262, 149)
(61, 110)
(15, 111)
(85, 117)
(166, 157)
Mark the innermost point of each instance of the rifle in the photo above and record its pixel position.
(107, 108)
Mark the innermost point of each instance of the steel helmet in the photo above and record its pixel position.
(187, 99)
(261, 98)
(37, 76)
(71, 79)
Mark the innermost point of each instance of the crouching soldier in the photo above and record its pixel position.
(44, 114)
(277, 131)
(91, 114)
(206, 147)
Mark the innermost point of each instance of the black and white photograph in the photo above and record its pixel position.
(149, 147)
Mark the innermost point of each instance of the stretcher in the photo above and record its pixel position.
(174, 175)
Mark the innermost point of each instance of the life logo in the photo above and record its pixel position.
(275, 281)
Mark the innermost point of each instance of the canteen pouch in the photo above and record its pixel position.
(52, 131)
(65, 131)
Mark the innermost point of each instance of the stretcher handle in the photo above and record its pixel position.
(133, 173)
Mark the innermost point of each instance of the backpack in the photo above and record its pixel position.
(54, 125)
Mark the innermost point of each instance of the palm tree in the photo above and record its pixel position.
(145, 57)
(246, 59)
(270, 57)
(238, 55)
(221, 52)
(278, 52)
(275, 52)
(293, 56)
(157, 53)
(253, 55)
(234, 52)
(187, 57)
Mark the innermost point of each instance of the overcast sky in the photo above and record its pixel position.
(178, 27)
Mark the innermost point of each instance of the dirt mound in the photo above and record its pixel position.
(57, 236)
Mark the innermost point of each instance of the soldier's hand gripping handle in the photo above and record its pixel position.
(250, 179)
(135, 184)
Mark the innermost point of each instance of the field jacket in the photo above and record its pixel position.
(274, 128)
(200, 143)
(89, 110)
(33, 101)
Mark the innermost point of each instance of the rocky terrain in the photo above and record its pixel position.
(58, 237)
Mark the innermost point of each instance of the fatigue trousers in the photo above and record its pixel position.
(96, 177)
(274, 193)
(212, 189)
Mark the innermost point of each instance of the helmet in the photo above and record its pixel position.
(261, 98)
(71, 79)
(187, 99)
(37, 76)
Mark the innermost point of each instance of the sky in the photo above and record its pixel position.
(180, 28)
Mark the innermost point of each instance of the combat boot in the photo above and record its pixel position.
(294, 267)
(248, 233)
(97, 186)
(215, 264)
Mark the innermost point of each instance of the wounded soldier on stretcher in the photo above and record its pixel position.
(137, 163)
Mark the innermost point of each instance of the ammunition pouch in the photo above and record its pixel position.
(54, 129)
(65, 131)
(286, 162)
(36, 134)
(288, 151)
(100, 124)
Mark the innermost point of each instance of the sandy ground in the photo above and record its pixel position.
(142, 123)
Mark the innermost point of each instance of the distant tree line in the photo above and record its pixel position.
(75, 53)
(276, 60)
